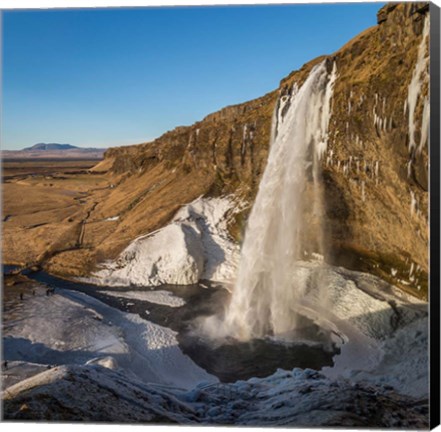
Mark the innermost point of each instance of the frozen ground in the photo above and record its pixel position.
(374, 323)
(287, 398)
(165, 298)
(107, 365)
(194, 246)
(73, 328)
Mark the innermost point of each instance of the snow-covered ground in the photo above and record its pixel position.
(194, 246)
(373, 322)
(73, 328)
(108, 365)
(165, 298)
(300, 398)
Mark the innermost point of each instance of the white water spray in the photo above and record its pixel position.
(269, 284)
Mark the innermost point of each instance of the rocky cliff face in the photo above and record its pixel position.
(375, 170)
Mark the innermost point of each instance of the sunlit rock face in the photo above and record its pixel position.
(374, 167)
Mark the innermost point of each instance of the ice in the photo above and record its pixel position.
(161, 297)
(377, 168)
(64, 329)
(143, 376)
(424, 124)
(296, 398)
(412, 266)
(244, 139)
(120, 367)
(195, 245)
(413, 204)
(419, 75)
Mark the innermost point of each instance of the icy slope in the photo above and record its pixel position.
(73, 328)
(375, 324)
(194, 246)
(92, 393)
(287, 398)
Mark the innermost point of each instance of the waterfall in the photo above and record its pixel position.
(269, 286)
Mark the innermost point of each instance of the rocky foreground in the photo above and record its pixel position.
(300, 398)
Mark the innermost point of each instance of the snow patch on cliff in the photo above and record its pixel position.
(195, 245)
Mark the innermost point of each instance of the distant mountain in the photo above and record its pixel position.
(50, 146)
(54, 151)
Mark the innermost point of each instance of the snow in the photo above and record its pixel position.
(114, 366)
(300, 398)
(111, 219)
(244, 138)
(379, 324)
(404, 364)
(411, 269)
(17, 371)
(72, 328)
(161, 297)
(409, 168)
(413, 204)
(94, 393)
(424, 124)
(195, 245)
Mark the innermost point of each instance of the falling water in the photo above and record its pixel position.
(266, 292)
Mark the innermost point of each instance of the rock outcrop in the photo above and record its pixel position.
(375, 170)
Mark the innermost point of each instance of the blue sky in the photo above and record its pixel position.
(109, 77)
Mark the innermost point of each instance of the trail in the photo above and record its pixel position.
(83, 223)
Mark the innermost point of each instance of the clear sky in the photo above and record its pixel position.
(106, 77)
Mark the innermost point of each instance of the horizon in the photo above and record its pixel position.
(121, 76)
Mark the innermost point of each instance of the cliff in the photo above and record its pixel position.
(375, 170)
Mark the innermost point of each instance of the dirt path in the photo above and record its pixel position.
(83, 225)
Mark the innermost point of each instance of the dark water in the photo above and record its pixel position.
(231, 361)
(8, 269)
